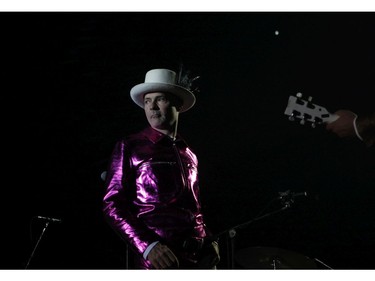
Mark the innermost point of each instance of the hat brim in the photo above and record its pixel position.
(138, 91)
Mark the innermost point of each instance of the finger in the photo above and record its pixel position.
(162, 257)
(169, 258)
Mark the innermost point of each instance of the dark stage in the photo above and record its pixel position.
(65, 91)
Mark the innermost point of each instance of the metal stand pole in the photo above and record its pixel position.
(319, 261)
(127, 256)
(36, 245)
(230, 246)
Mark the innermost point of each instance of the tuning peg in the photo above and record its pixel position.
(310, 99)
(313, 124)
(291, 117)
(299, 95)
(302, 122)
(318, 121)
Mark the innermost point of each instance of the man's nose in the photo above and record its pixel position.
(154, 105)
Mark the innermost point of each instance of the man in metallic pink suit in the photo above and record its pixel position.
(152, 189)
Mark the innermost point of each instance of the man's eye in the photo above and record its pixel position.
(162, 99)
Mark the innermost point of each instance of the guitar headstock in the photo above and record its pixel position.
(307, 112)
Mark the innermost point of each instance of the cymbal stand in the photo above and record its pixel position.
(37, 243)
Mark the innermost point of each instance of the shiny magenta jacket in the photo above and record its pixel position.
(152, 191)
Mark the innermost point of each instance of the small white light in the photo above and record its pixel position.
(276, 32)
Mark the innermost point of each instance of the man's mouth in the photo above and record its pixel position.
(155, 115)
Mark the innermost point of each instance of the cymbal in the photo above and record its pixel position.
(272, 258)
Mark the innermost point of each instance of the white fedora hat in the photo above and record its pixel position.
(162, 80)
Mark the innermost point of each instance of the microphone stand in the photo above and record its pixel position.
(37, 243)
(287, 200)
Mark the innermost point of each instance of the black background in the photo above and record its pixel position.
(65, 98)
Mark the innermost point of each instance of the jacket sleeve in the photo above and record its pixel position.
(117, 201)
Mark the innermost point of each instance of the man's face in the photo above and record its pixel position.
(160, 109)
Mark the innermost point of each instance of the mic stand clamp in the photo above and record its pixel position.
(286, 198)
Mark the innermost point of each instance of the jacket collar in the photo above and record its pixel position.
(155, 136)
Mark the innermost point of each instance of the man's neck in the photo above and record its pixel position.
(169, 133)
